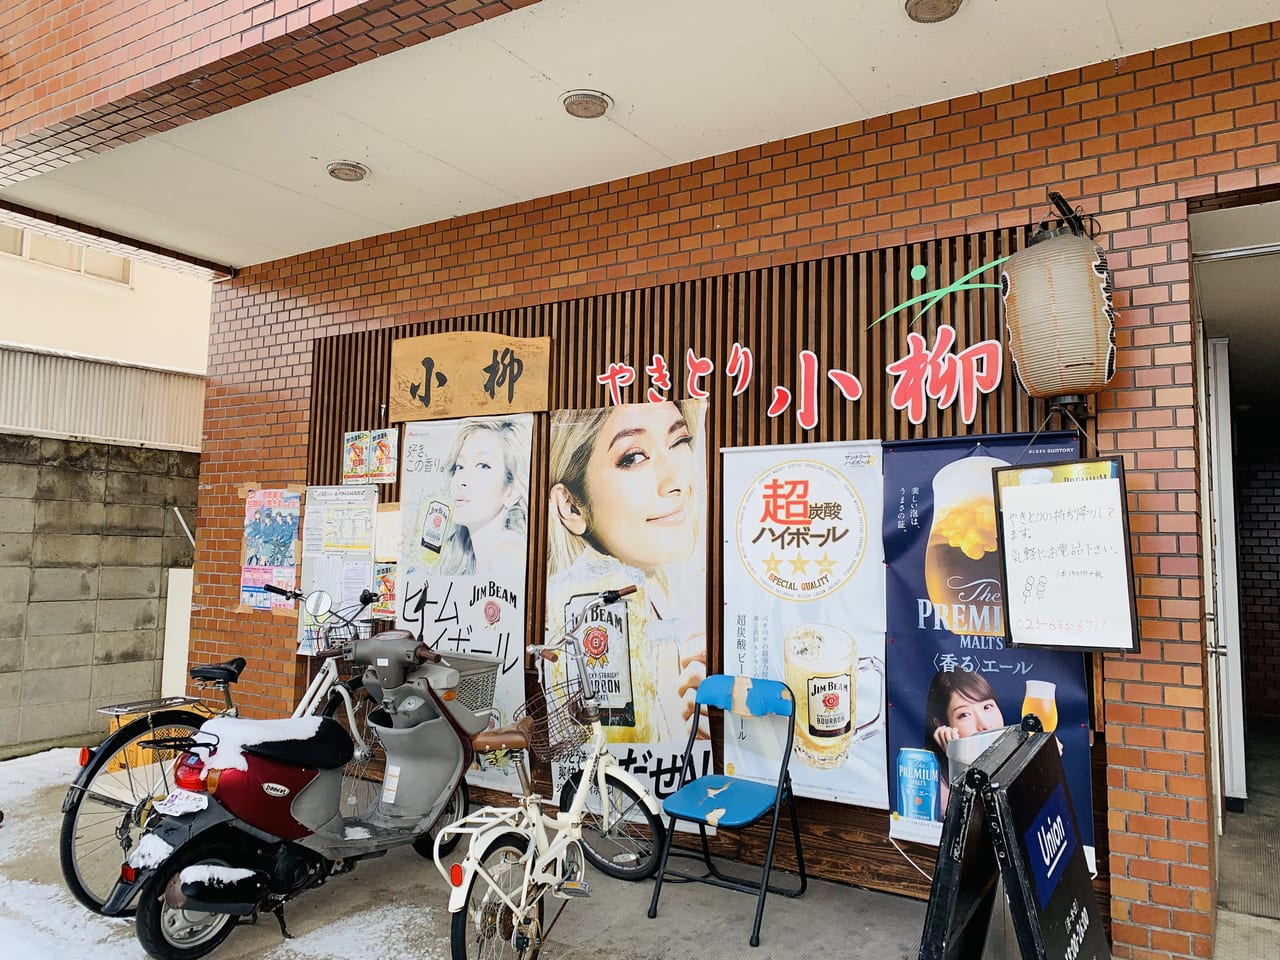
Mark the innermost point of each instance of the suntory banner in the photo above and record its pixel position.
(464, 509)
(804, 603)
(953, 682)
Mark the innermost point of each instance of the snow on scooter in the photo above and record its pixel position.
(255, 818)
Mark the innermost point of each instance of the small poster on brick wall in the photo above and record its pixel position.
(268, 554)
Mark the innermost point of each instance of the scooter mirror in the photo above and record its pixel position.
(318, 603)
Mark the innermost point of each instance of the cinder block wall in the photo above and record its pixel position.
(1257, 469)
(87, 532)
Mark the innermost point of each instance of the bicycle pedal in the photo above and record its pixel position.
(573, 889)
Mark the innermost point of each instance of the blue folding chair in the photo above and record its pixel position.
(731, 802)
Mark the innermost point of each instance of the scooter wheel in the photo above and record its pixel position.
(172, 933)
(455, 809)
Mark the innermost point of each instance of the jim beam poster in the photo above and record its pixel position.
(953, 681)
(804, 603)
(464, 507)
(627, 506)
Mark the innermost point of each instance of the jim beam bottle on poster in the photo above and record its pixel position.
(606, 646)
(433, 529)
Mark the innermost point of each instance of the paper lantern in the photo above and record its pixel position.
(1057, 302)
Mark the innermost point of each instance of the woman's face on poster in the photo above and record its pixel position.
(973, 716)
(478, 483)
(639, 484)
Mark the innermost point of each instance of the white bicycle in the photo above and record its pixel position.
(518, 855)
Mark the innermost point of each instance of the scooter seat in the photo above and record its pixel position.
(328, 748)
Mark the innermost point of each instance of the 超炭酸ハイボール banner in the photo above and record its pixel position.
(804, 603)
(953, 681)
(460, 578)
(627, 498)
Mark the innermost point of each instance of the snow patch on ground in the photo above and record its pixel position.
(25, 777)
(403, 932)
(38, 920)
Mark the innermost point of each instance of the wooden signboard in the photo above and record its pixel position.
(1013, 813)
(467, 374)
(1065, 565)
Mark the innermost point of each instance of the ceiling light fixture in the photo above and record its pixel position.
(932, 11)
(348, 171)
(586, 104)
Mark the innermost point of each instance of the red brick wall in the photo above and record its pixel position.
(1257, 476)
(1131, 140)
(97, 74)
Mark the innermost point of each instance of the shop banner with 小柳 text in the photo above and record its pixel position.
(804, 603)
(460, 578)
(627, 498)
(954, 683)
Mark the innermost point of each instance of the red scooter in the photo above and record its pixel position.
(255, 818)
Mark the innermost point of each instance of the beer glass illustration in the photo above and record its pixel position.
(961, 566)
(1040, 699)
(821, 666)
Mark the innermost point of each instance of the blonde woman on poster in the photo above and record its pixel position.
(627, 504)
(484, 503)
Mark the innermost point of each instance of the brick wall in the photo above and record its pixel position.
(1132, 141)
(99, 74)
(1257, 475)
(87, 533)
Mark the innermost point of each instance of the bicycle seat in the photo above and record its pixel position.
(514, 737)
(226, 672)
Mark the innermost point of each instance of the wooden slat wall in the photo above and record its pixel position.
(824, 306)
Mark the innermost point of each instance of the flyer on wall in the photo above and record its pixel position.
(627, 506)
(460, 579)
(804, 603)
(954, 683)
(337, 555)
(270, 532)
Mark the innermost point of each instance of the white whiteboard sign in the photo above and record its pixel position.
(1064, 543)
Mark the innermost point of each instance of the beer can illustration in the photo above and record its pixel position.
(918, 796)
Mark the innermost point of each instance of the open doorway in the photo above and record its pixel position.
(1236, 262)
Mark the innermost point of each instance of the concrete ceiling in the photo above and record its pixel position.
(472, 120)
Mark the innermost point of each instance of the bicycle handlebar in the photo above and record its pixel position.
(551, 651)
(291, 594)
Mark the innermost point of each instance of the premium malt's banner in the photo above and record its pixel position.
(627, 506)
(460, 579)
(953, 683)
(804, 602)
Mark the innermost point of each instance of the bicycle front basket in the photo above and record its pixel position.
(557, 732)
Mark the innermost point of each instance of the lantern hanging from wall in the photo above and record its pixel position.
(1058, 310)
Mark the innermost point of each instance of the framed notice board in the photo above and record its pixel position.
(1066, 570)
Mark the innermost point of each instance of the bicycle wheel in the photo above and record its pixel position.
(629, 846)
(486, 928)
(362, 776)
(103, 817)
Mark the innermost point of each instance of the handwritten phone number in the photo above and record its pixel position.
(1059, 625)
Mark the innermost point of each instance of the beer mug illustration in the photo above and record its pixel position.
(961, 566)
(1040, 700)
(821, 666)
